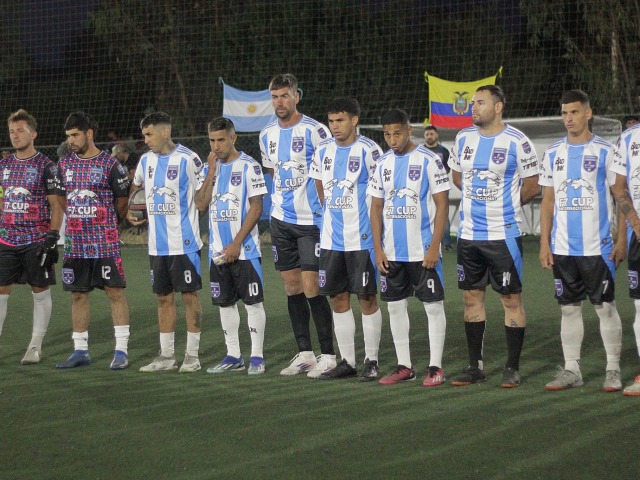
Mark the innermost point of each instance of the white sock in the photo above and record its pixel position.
(41, 317)
(571, 333)
(193, 343)
(257, 321)
(399, 321)
(437, 328)
(636, 325)
(80, 340)
(372, 330)
(230, 320)
(122, 337)
(344, 326)
(611, 333)
(168, 344)
(4, 300)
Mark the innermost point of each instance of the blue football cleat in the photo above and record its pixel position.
(120, 361)
(79, 358)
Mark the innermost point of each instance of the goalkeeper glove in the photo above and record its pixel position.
(48, 250)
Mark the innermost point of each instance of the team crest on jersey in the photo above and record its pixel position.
(322, 278)
(274, 250)
(172, 172)
(30, 175)
(439, 164)
(558, 284)
(95, 174)
(67, 276)
(383, 283)
(633, 279)
(215, 290)
(589, 163)
(297, 144)
(354, 164)
(526, 147)
(257, 169)
(414, 172)
(499, 155)
(460, 269)
(90, 251)
(236, 178)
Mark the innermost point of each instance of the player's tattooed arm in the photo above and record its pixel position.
(624, 203)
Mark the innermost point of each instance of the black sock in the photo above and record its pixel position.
(475, 339)
(321, 312)
(515, 340)
(299, 314)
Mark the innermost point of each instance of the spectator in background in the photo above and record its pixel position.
(432, 142)
(6, 153)
(125, 157)
(629, 121)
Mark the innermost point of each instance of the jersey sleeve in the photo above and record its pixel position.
(138, 176)
(437, 176)
(527, 158)
(51, 179)
(454, 160)
(119, 180)
(315, 169)
(620, 157)
(545, 169)
(375, 187)
(320, 133)
(372, 157)
(196, 171)
(610, 163)
(255, 180)
(266, 160)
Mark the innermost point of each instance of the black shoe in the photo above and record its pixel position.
(510, 378)
(371, 371)
(468, 376)
(341, 370)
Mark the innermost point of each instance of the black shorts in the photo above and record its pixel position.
(352, 272)
(634, 267)
(175, 273)
(21, 265)
(576, 277)
(406, 278)
(85, 274)
(295, 246)
(495, 261)
(241, 280)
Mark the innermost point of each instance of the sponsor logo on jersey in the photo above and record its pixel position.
(272, 147)
(197, 162)
(297, 144)
(172, 172)
(5, 174)
(439, 162)
(322, 133)
(526, 147)
(68, 276)
(499, 155)
(633, 279)
(589, 163)
(257, 169)
(375, 155)
(354, 164)
(414, 172)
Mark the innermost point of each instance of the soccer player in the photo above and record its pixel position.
(30, 219)
(342, 166)
(233, 189)
(496, 168)
(432, 142)
(626, 165)
(287, 145)
(94, 183)
(576, 241)
(409, 209)
(171, 175)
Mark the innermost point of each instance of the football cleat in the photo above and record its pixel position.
(161, 364)
(435, 377)
(633, 390)
(468, 376)
(341, 370)
(325, 362)
(190, 364)
(228, 364)
(564, 379)
(301, 363)
(120, 360)
(79, 358)
(256, 366)
(510, 378)
(400, 374)
(612, 382)
(370, 372)
(32, 356)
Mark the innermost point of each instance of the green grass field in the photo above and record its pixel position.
(92, 423)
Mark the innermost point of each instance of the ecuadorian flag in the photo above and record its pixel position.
(450, 102)
(249, 111)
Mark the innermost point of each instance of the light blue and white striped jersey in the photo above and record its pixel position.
(235, 182)
(345, 172)
(170, 182)
(580, 176)
(407, 184)
(492, 169)
(627, 162)
(289, 152)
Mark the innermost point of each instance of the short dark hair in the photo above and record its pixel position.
(284, 80)
(575, 95)
(629, 118)
(344, 104)
(395, 116)
(496, 92)
(82, 121)
(155, 118)
(431, 127)
(221, 123)
(23, 115)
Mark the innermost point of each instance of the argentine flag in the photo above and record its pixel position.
(249, 111)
